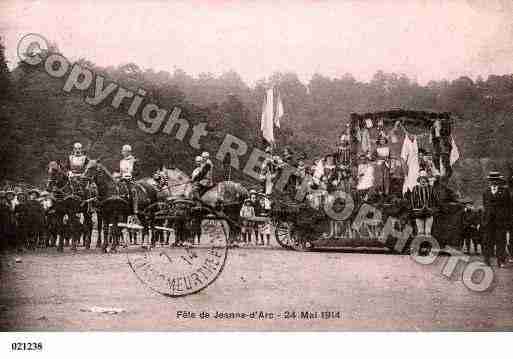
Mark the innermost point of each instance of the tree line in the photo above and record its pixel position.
(40, 122)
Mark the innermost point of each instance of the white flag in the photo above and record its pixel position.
(279, 111)
(455, 154)
(266, 124)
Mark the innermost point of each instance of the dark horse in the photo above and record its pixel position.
(71, 198)
(113, 205)
(225, 198)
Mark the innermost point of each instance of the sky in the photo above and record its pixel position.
(426, 40)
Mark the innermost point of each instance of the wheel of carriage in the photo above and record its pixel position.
(289, 236)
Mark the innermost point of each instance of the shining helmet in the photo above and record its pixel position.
(205, 155)
(198, 159)
(77, 146)
(126, 148)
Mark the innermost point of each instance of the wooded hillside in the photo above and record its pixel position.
(39, 121)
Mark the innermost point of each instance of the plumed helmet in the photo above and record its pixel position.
(77, 146)
(126, 148)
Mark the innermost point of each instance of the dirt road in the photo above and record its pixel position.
(51, 291)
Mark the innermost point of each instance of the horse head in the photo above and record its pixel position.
(95, 169)
(56, 175)
(225, 193)
(178, 184)
(96, 173)
(55, 170)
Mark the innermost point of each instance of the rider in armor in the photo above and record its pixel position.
(75, 166)
(77, 161)
(128, 172)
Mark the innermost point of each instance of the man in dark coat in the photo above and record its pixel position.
(497, 217)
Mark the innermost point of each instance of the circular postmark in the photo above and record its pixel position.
(178, 271)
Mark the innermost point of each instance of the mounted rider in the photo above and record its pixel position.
(75, 166)
(77, 161)
(128, 170)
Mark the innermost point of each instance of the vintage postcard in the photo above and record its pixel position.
(256, 166)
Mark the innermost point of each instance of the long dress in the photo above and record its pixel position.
(410, 155)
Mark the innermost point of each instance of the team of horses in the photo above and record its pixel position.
(76, 199)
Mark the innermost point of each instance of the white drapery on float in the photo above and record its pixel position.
(271, 114)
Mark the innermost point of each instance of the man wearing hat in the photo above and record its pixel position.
(10, 196)
(497, 217)
(20, 215)
(10, 227)
(201, 175)
(423, 204)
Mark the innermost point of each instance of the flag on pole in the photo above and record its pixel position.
(455, 153)
(279, 111)
(267, 122)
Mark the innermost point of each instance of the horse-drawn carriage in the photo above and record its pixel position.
(179, 213)
(350, 214)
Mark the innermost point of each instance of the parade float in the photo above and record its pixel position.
(387, 180)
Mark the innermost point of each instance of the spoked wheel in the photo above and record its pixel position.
(288, 236)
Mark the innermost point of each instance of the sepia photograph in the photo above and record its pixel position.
(255, 166)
